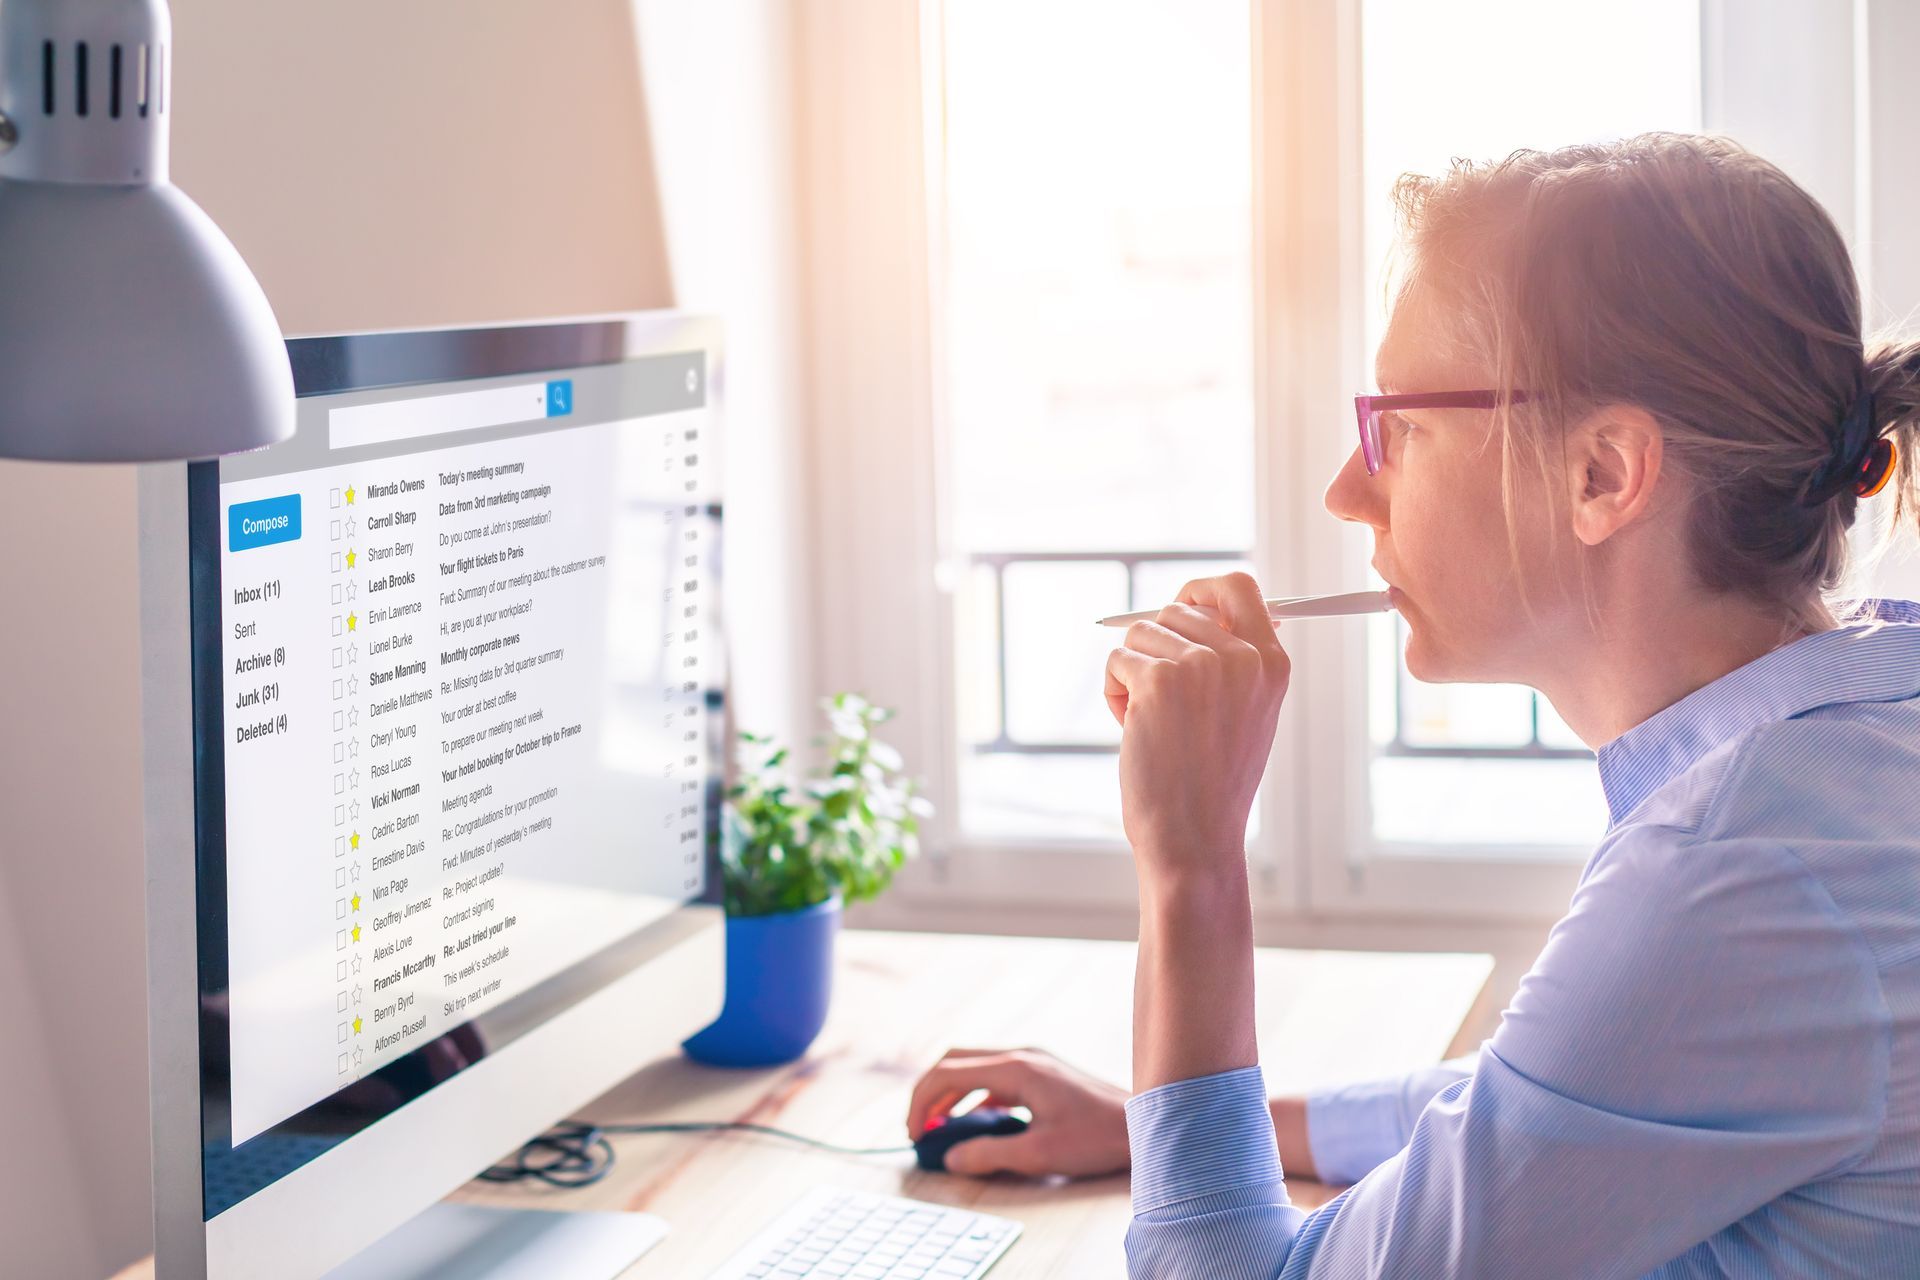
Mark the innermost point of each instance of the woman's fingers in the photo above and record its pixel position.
(954, 1078)
(1169, 636)
(1198, 625)
(1235, 598)
(1125, 669)
(1024, 1152)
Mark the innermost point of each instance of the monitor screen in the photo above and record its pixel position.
(455, 684)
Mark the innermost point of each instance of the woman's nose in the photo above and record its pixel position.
(1355, 495)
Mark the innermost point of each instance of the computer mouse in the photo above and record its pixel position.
(932, 1146)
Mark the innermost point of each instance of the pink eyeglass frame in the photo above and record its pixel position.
(1369, 408)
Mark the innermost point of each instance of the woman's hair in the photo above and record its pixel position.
(1687, 276)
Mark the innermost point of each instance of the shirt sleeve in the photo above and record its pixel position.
(1354, 1127)
(1615, 1121)
(1208, 1199)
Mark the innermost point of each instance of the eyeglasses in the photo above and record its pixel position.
(1369, 409)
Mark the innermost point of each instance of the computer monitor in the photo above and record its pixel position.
(433, 741)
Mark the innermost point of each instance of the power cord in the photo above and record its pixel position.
(577, 1154)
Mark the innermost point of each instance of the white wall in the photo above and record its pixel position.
(73, 1197)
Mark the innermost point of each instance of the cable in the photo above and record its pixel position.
(576, 1153)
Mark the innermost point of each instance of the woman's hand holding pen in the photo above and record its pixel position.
(1197, 693)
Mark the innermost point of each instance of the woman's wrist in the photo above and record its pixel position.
(1290, 1136)
(1185, 885)
(1193, 993)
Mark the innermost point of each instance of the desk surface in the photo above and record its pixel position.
(901, 999)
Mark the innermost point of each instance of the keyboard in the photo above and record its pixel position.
(858, 1235)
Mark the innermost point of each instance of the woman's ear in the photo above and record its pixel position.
(1613, 461)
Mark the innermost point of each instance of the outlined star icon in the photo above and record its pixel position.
(353, 748)
(353, 654)
(353, 686)
(356, 964)
(353, 716)
(353, 527)
(353, 780)
(352, 589)
(356, 872)
(356, 993)
(353, 810)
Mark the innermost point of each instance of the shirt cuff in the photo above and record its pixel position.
(1353, 1128)
(1200, 1137)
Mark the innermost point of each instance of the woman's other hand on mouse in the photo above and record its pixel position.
(1079, 1125)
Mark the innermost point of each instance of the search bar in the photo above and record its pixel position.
(392, 420)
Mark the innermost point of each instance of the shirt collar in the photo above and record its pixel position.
(1864, 662)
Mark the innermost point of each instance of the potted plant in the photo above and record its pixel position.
(791, 858)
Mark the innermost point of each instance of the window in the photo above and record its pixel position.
(1093, 293)
(1094, 283)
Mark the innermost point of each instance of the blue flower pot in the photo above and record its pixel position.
(779, 981)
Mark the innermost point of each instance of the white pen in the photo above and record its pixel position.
(1339, 606)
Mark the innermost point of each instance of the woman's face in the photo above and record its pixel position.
(1439, 532)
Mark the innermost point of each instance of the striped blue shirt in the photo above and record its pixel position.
(1713, 1069)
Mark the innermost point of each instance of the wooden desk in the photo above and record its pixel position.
(904, 998)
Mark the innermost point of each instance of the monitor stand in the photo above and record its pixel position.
(478, 1242)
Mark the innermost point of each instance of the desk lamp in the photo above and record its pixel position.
(130, 328)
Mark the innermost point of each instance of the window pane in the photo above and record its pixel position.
(1056, 657)
(1052, 797)
(1098, 276)
(1095, 286)
(1482, 78)
(1488, 805)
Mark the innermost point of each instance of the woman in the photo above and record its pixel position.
(1713, 1069)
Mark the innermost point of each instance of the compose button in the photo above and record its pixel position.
(263, 523)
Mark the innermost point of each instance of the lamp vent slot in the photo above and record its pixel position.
(113, 86)
(142, 77)
(80, 78)
(46, 77)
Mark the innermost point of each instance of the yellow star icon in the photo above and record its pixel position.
(356, 1026)
(356, 933)
(354, 840)
(356, 902)
(353, 622)
(349, 495)
(349, 557)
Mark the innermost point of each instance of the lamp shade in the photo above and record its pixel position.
(131, 329)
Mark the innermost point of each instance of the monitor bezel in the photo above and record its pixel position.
(330, 365)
